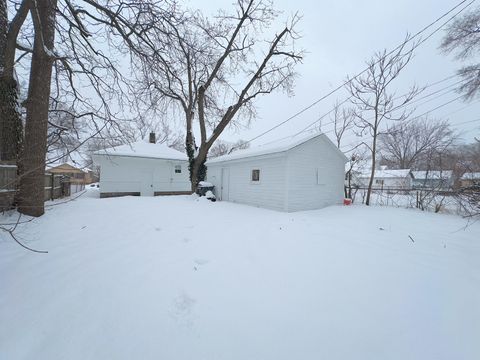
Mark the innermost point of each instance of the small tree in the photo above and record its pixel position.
(412, 144)
(373, 101)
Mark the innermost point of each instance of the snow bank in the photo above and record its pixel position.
(178, 278)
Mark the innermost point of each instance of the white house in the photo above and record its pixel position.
(387, 179)
(299, 174)
(470, 179)
(432, 179)
(142, 168)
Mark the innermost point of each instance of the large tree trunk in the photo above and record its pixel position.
(199, 170)
(10, 119)
(32, 182)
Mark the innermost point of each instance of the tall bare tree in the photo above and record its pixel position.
(463, 38)
(205, 61)
(88, 32)
(411, 144)
(10, 119)
(38, 102)
(374, 103)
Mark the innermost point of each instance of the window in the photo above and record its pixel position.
(379, 182)
(320, 177)
(178, 169)
(256, 175)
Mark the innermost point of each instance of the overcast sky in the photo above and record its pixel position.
(339, 36)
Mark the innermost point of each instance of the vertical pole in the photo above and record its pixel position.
(52, 195)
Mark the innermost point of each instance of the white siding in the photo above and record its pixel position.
(305, 177)
(269, 192)
(128, 174)
(388, 182)
(315, 176)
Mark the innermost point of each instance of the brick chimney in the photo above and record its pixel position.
(152, 139)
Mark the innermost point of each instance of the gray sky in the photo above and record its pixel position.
(339, 36)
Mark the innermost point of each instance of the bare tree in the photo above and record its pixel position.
(343, 121)
(88, 33)
(463, 38)
(204, 62)
(374, 103)
(10, 119)
(33, 155)
(412, 144)
(223, 147)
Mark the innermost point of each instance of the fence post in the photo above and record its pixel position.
(53, 187)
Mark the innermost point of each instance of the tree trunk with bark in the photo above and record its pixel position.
(32, 182)
(10, 119)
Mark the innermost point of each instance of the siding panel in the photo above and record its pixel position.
(126, 174)
(269, 192)
(316, 176)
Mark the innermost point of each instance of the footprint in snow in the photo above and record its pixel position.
(201, 261)
(182, 309)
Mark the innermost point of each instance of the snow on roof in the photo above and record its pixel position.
(471, 176)
(401, 173)
(73, 164)
(432, 174)
(269, 148)
(145, 150)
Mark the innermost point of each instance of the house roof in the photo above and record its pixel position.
(471, 176)
(271, 148)
(432, 174)
(65, 165)
(401, 173)
(144, 149)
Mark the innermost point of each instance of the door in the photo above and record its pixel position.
(147, 184)
(225, 184)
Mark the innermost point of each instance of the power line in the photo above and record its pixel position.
(366, 69)
(398, 97)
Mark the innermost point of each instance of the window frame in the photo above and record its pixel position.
(252, 180)
(317, 177)
(177, 167)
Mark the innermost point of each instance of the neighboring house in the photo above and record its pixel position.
(142, 168)
(387, 179)
(76, 174)
(301, 174)
(432, 179)
(469, 179)
(78, 177)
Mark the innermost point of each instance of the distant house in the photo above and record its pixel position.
(470, 179)
(386, 179)
(433, 179)
(290, 175)
(142, 168)
(78, 176)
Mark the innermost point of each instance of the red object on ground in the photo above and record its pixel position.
(347, 201)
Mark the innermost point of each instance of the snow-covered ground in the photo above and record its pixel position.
(182, 278)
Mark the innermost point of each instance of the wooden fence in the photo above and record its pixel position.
(56, 186)
(8, 175)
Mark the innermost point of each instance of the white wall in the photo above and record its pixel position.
(288, 180)
(306, 162)
(388, 183)
(269, 192)
(127, 174)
